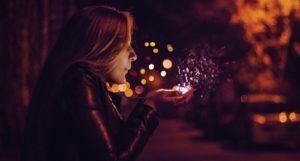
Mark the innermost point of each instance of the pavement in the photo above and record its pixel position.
(176, 140)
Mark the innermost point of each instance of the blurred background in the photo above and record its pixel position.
(253, 113)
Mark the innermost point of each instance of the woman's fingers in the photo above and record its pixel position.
(186, 97)
(172, 96)
(172, 93)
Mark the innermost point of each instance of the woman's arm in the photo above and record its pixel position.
(88, 114)
(140, 125)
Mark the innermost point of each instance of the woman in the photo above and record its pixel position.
(71, 115)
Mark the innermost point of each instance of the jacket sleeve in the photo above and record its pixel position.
(88, 113)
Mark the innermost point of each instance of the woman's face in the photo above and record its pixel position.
(122, 65)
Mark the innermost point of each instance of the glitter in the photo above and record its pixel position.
(199, 70)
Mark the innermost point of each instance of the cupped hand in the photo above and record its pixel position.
(169, 96)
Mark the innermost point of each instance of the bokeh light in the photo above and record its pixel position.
(292, 116)
(143, 81)
(152, 44)
(155, 50)
(142, 71)
(170, 48)
(114, 88)
(128, 92)
(163, 73)
(139, 89)
(146, 44)
(122, 87)
(151, 78)
(167, 63)
(259, 118)
(127, 84)
(282, 117)
(151, 66)
(107, 85)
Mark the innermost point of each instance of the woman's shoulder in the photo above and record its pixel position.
(81, 72)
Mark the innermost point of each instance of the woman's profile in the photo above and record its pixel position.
(72, 116)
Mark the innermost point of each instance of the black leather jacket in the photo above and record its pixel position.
(88, 126)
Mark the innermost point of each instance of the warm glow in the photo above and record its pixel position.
(139, 89)
(114, 88)
(143, 81)
(174, 87)
(107, 85)
(155, 50)
(151, 78)
(282, 117)
(277, 99)
(163, 73)
(128, 92)
(142, 71)
(252, 98)
(146, 44)
(170, 48)
(152, 44)
(267, 25)
(292, 116)
(259, 119)
(127, 84)
(122, 87)
(151, 66)
(167, 63)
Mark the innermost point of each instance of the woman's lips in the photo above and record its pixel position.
(126, 71)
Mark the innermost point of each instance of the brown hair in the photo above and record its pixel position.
(95, 35)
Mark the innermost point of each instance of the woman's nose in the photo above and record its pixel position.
(132, 54)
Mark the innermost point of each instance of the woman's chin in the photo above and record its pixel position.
(117, 80)
(121, 81)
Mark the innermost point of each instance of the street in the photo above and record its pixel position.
(175, 140)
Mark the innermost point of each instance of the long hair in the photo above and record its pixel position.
(95, 35)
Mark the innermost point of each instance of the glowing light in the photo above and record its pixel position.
(174, 87)
(163, 73)
(114, 88)
(151, 78)
(142, 71)
(183, 90)
(167, 63)
(292, 116)
(259, 119)
(107, 85)
(139, 89)
(128, 93)
(122, 87)
(151, 66)
(152, 44)
(143, 81)
(155, 50)
(127, 84)
(146, 44)
(170, 48)
(282, 117)
(258, 19)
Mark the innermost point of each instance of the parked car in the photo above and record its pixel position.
(266, 119)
